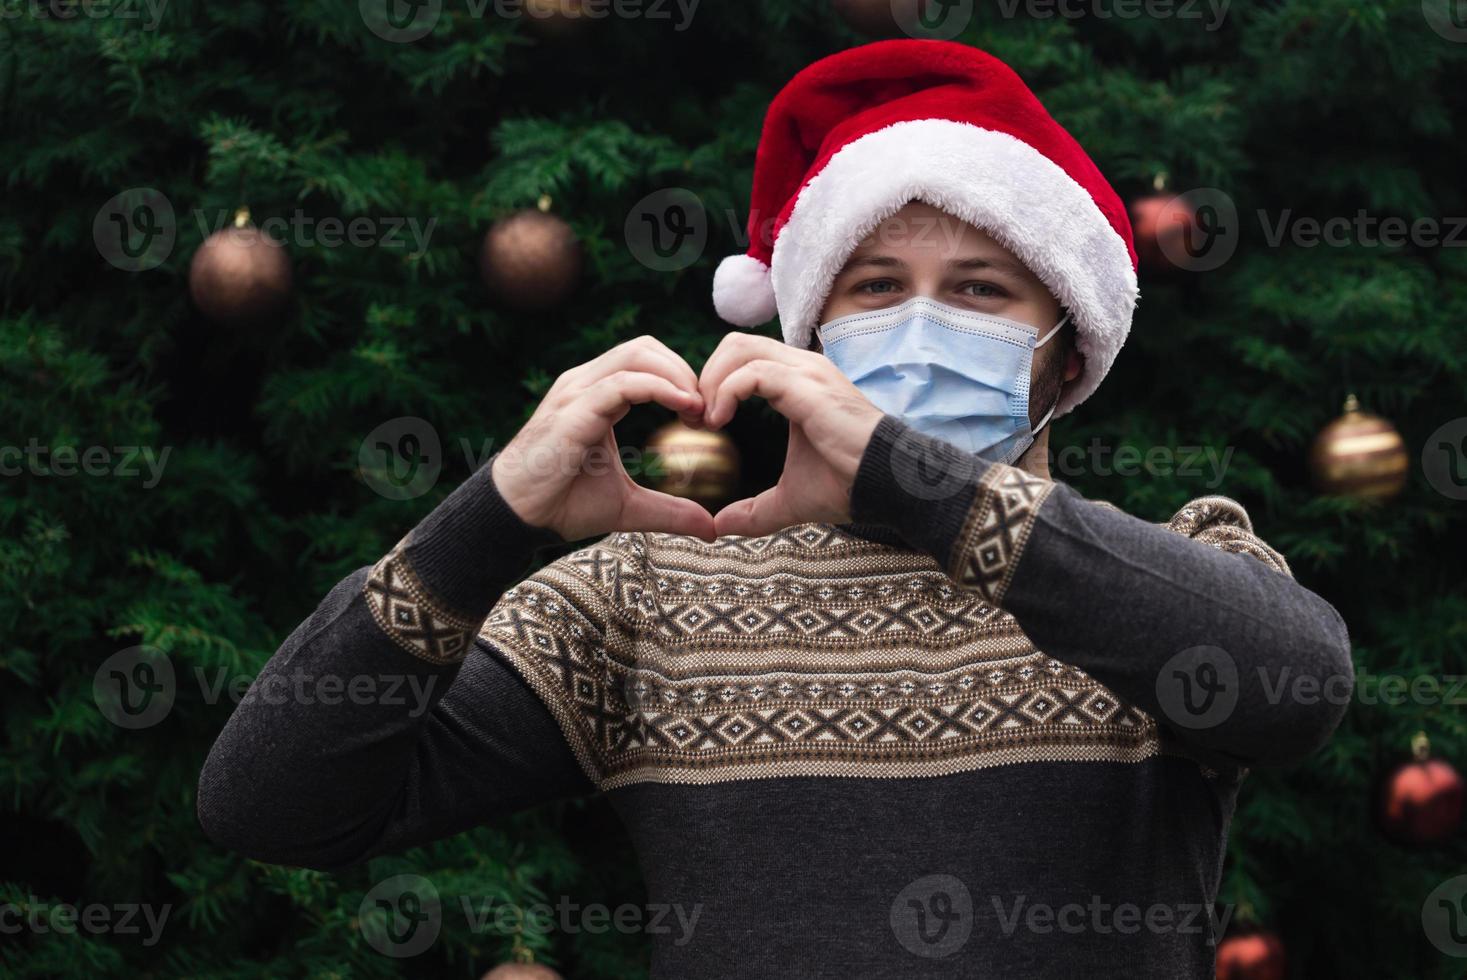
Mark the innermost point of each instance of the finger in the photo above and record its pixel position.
(645, 353)
(769, 380)
(614, 394)
(652, 510)
(755, 517)
(736, 350)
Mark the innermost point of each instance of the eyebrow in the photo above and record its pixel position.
(997, 263)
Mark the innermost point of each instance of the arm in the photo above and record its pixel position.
(410, 741)
(380, 723)
(1157, 616)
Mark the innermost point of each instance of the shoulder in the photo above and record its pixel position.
(1222, 523)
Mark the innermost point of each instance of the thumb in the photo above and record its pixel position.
(754, 517)
(651, 510)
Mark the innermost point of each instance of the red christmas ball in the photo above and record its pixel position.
(1161, 224)
(521, 971)
(1251, 956)
(1421, 800)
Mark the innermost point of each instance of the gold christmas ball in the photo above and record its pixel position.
(521, 971)
(695, 463)
(531, 260)
(240, 275)
(1359, 455)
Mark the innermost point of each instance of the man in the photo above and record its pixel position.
(917, 710)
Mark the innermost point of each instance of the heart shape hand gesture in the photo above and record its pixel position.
(563, 470)
(830, 423)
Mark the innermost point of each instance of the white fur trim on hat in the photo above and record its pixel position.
(992, 181)
(742, 293)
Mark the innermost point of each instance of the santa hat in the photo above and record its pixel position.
(856, 136)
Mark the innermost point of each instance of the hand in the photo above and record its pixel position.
(563, 470)
(830, 424)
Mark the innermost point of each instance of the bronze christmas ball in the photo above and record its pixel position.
(555, 18)
(1421, 800)
(521, 971)
(1251, 956)
(239, 275)
(697, 464)
(531, 260)
(1359, 455)
(882, 18)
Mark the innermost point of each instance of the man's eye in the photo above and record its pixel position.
(983, 290)
(878, 287)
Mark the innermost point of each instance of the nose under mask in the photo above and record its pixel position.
(953, 374)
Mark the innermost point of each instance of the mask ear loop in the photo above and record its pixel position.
(1046, 338)
(1038, 344)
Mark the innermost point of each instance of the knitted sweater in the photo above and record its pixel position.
(990, 729)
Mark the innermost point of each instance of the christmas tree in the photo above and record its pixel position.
(190, 459)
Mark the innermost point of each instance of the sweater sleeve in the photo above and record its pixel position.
(383, 721)
(1197, 622)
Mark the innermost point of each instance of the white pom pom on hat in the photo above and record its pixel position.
(742, 293)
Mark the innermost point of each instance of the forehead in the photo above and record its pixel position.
(921, 233)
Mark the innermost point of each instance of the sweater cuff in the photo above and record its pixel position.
(921, 486)
(473, 546)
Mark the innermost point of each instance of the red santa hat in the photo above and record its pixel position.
(856, 136)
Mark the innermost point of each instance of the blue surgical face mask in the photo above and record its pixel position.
(954, 374)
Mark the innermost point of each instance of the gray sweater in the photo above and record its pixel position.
(989, 729)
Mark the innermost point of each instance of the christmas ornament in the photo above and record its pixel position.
(1257, 955)
(1359, 455)
(1421, 801)
(239, 275)
(531, 259)
(1161, 223)
(521, 971)
(695, 463)
(879, 18)
(555, 18)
